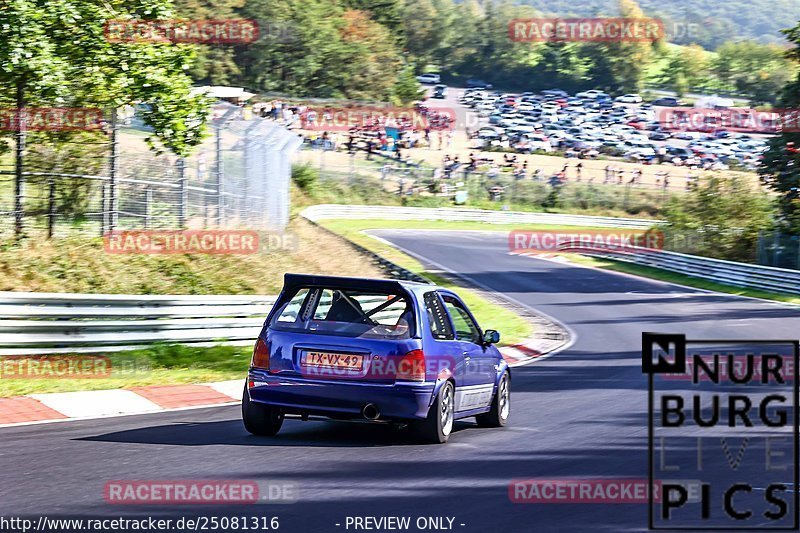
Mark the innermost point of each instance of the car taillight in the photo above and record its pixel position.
(412, 366)
(260, 355)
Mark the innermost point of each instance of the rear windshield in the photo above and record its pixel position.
(346, 312)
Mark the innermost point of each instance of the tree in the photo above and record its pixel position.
(721, 218)
(55, 53)
(780, 169)
(687, 67)
(757, 70)
(624, 62)
(214, 64)
(407, 88)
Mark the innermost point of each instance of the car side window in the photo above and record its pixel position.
(466, 328)
(437, 317)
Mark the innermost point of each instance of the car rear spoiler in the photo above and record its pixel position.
(291, 281)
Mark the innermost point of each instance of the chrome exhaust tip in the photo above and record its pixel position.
(370, 412)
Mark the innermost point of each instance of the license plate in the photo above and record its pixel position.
(342, 361)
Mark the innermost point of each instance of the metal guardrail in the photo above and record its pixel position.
(354, 212)
(726, 272)
(46, 323)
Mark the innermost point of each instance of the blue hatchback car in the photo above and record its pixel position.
(378, 350)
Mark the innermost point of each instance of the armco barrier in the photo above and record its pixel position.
(42, 323)
(727, 272)
(354, 212)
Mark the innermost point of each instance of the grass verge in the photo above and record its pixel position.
(156, 365)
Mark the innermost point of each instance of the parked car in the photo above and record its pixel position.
(679, 152)
(439, 91)
(376, 350)
(429, 78)
(629, 99)
(667, 101)
(555, 92)
(592, 93)
(659, 135)
(475, 83)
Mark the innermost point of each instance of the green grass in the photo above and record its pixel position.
(157, 365)
(672, 277)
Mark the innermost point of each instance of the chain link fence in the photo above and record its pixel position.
(94, 183)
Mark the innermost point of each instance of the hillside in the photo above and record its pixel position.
(714, 22)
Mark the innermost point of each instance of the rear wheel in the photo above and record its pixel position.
(260, 419)
(501, 406)
(436, 428)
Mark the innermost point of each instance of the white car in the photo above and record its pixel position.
(429, 78)
(629, 99)
(537, 141)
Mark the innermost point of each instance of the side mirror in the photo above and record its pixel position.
(491, 336)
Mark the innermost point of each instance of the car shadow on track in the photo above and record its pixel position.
(294, 433)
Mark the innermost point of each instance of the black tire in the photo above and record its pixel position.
(497, 416)
(259, 419)
(436, 428)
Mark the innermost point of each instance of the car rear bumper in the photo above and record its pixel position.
(400, 401)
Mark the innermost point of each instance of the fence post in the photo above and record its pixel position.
(352, 175)
(19, 178)
(113, 218)
(148, 208)
(184, 192)
(103, 209)
(219, 174)
(51, 208)
(776, 248)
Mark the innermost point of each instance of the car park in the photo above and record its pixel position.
(374, 350)
(591, 120)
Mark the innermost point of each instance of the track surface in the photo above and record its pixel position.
(581, 413)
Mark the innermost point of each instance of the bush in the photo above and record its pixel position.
(305, 176)
(721, 218)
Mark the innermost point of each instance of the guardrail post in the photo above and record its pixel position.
(184, 192)
(51, 206)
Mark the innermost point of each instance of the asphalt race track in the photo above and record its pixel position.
(581, 413)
